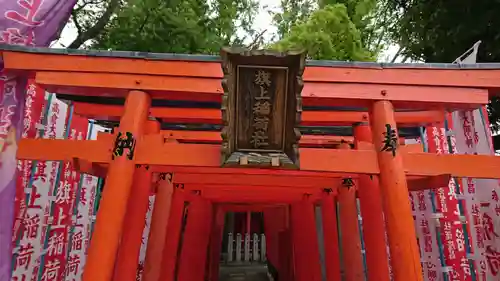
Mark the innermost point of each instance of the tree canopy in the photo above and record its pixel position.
(327, 29)
(441, 30)
(328, 33)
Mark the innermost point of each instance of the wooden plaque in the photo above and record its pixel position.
(261, 107)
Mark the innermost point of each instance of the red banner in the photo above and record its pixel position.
(35, 100)
(452, 232)
(60, 220)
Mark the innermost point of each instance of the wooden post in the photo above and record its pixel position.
(370, 201)
(172, 238)
(158, 229)
(192, 262)
(330, 237)
(215, 243)
(110, 217)
(305, 242)
(285, 247)
(249, 222)
(130, 246)
(349, 232)
(403, 247)
(274, 220)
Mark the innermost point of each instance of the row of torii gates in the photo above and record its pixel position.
(185, 166)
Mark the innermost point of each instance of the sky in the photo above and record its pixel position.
(262, 22)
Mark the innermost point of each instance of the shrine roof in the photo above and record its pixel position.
(209, 58)
(408, 132)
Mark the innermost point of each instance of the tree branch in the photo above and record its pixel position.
(97, 28)
(78, 26)
(396, 55)
(256, 40)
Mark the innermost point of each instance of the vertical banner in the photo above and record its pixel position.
(54, 259)
(473, 136)
(34, 103)
(27, 254)
(11, 103)
(145, 236)
(83, 216)
(480, 196)
(425, 226)
(452, 234)
(26, 23)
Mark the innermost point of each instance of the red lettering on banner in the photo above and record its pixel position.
(33, 198)
(449, 240)
(464, 263)
(477, 223)
(483, 266)
(460, 239)
(73, 264)
(493, 259)
(6, 114)
(452, 194)
(466, 124)
(53, 173)
(494, 196)
(471, 187)
(31, 225)
(488, 227)
(56, 244)
(16, 278)
(83, 195)
(76, 241)
(24, 255)
(27, 122)
(51, 270)
(140, 270)
(431, 272)
(63, 194)
(53, 121)
(421, 201)
(88, 179)
(150, 205)
(78, 217)
(412, 201)
(27, 17)
(475, 214)
(40, 171)
(60, 219)
(13, 36)
(9, 94)
(427, 235)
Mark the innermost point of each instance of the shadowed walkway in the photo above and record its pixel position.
(243, 273)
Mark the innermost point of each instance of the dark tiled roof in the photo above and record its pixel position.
(188, 57)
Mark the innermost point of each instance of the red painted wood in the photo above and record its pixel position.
(215, 244)
(330, 237)
(193, 258)
(285, 266)
(130, 246)
(169, 261)
(370, 201)
(305, 242)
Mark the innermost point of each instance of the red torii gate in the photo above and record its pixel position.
(205, 185)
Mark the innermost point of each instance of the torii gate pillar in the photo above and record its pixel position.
(403, 247)
(370, 202)
(305, 242)
(110, 217)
